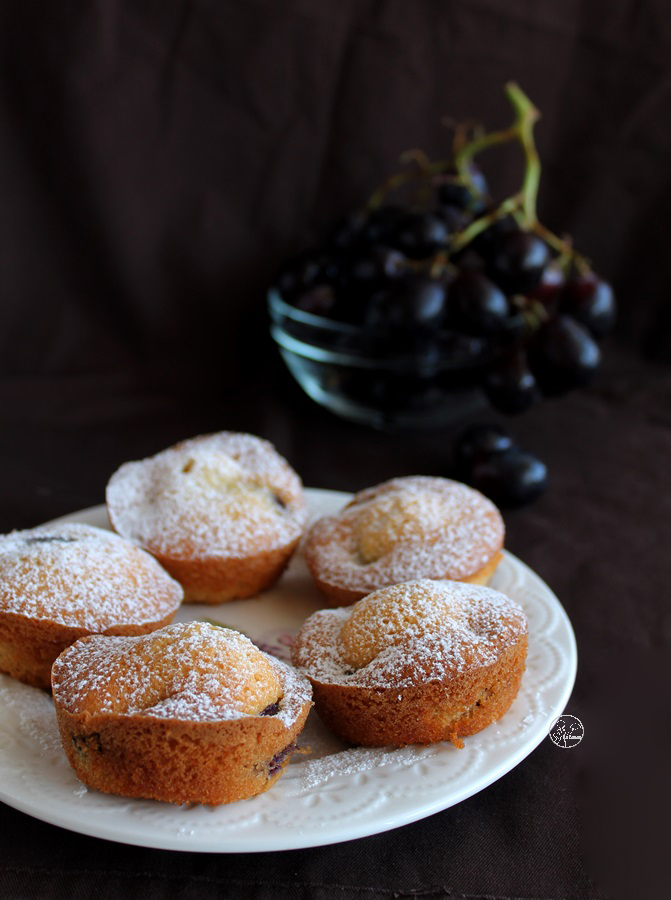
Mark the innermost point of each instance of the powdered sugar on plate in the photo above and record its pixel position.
(355, 761)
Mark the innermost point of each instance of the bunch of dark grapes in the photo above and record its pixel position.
(504, 301)
(447, 278)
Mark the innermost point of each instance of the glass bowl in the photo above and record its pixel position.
(380, 380)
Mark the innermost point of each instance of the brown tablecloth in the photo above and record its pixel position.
(561, 824)
(156, 163)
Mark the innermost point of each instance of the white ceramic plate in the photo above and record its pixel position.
(331, 794)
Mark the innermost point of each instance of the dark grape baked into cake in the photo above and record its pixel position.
(192, 713)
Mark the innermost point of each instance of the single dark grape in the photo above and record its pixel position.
(462, 352)
(486, 242)
(549, 289)
(347, 232)
(477, 304)
(363, 271)
(563, 356)
(468, 258)
(391, 263)
(517, 261)
(330, 269)
(382, 222)
(307, 270)
(411, 308)
(320, 300)
(453, 193)
(510, 385)
(455, 218)
(424, 299)
(480, 442)
(420, 235)
(591, 301)
(378, 265)
(297, 274)
(512, 478)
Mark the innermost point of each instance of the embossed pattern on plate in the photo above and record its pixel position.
(330, 794)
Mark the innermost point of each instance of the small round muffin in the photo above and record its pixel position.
(59, 583)
(418, 662)
(405, 529)
(193, 713)
(223, 513)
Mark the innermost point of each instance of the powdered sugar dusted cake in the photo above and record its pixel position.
(61, 582)
(418, 662)
(191, 713)
(404, 529)
(223, 513)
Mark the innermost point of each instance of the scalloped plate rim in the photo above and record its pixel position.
(390, 812)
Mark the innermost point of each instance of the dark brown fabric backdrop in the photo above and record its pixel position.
(157, 161)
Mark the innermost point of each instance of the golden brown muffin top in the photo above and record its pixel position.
(187, 671)
(79, 575)
(407, 634)
(224, 494)
(404, 529)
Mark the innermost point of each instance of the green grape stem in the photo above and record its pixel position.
(526, 117)
(522, 206)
